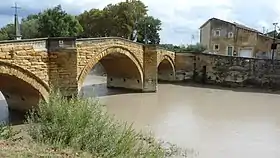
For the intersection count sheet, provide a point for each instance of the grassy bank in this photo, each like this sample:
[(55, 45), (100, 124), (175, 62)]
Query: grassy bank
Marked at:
[(84, 126)]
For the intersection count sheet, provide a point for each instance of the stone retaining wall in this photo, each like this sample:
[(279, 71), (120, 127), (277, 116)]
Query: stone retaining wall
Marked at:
[(234, 71)]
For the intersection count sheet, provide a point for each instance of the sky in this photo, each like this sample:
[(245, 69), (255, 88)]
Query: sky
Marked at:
[(181, 19)]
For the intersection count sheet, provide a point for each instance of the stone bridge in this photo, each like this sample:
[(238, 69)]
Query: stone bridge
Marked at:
[(29, 68)]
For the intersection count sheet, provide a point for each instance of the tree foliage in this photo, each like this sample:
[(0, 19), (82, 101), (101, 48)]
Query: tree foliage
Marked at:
[(149, 26), (7, 32), (196, 48), (127, 19), (119, 20), (30, 27), (94, 23), (57, 23), (50, 23)]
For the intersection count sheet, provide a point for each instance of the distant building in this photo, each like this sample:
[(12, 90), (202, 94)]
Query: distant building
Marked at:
[(233, 39)]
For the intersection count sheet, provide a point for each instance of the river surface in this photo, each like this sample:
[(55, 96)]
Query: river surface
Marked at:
[(216, 123)]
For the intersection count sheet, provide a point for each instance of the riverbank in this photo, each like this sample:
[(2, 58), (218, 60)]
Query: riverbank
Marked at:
[(16, 142), (23, 149), (83, 127)]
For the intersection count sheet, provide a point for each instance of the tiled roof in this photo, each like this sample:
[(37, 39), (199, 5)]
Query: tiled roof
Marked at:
[(233, 23), (245, 27)]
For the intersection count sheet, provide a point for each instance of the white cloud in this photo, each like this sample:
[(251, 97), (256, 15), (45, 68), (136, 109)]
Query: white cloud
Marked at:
[(180, 18)]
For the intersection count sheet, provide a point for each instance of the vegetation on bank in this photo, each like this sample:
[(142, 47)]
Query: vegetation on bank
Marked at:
[(84, 126), (193, 48)]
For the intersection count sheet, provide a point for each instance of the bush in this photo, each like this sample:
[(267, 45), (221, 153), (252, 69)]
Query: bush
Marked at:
[(6, 131), (84, 124)]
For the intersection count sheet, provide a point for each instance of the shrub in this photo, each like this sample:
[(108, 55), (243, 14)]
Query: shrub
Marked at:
[(6, 131), (84, 124)]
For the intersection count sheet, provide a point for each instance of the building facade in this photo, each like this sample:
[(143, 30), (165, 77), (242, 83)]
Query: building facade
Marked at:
[(233, 39)]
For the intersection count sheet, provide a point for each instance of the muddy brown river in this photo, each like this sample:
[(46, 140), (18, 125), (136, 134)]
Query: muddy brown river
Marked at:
[(216, 123)]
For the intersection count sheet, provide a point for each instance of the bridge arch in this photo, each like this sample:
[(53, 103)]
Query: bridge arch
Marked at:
[(166, 68), (112, 59), (21, 88)]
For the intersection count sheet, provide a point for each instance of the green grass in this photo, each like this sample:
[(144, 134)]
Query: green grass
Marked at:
[(6, 132), (84, 125), (30, 149)]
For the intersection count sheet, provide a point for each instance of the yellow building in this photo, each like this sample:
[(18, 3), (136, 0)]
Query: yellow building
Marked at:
[(233, 39)]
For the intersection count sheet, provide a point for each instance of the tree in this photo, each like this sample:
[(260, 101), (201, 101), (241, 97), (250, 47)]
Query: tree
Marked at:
[(93, 23), (120, 20), (149, 26), (7, 32), (124, 17), (114, 20), (31, 17), (57, 23), (197, 48), (30, 29)]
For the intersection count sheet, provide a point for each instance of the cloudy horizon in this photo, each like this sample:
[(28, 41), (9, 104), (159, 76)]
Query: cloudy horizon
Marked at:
[(181, 19)]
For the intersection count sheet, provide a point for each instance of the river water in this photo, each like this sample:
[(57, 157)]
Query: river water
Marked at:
[(216, 123)]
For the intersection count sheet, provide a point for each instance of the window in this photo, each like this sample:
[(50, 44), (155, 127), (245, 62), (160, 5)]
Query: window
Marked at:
[(230, 35), (217, 33), (216, 47), (230, 51)]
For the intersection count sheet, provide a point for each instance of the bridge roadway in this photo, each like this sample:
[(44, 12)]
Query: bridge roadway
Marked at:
[(29, 68)]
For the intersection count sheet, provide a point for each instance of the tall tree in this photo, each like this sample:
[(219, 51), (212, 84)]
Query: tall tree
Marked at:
[(93, 23), (114, 20), (150, 27), (57, 23), (139, 13)]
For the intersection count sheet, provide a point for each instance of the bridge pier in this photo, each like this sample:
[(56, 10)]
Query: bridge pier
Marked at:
[(150, 68), (63, 65)]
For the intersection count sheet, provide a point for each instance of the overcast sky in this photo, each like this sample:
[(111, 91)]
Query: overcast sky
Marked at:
[(181, 18)]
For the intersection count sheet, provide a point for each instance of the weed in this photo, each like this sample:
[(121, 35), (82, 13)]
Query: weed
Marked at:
[(84, 124)]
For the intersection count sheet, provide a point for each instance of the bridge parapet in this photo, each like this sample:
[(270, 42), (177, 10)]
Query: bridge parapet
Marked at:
[(36, 44), (99, 39), (42, 44), (84, 42)]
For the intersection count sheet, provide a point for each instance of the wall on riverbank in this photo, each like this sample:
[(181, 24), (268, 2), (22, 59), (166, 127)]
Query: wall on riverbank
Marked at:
[(235, 71), (184, 65)]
